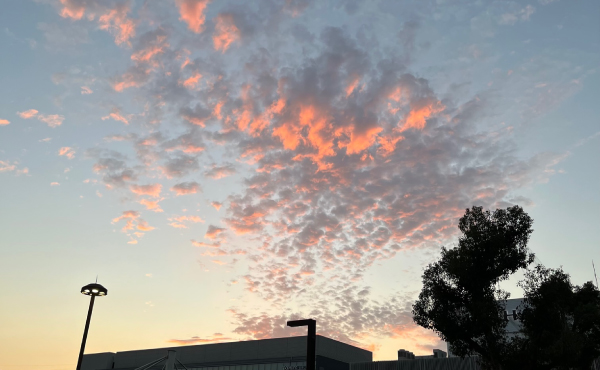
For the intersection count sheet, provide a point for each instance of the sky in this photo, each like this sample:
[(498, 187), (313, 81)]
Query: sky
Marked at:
[(225, 166)]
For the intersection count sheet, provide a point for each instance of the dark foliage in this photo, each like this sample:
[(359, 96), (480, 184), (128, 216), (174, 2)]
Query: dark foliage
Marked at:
[(560, 323), (460, 300)]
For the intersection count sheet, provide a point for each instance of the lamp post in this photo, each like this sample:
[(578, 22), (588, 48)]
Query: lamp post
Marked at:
[(311, 340), (93, 290)]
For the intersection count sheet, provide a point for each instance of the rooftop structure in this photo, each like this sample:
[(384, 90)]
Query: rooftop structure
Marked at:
[(266, 354)]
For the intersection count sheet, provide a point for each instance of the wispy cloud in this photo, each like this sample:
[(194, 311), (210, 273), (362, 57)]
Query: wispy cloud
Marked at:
[(52, 120), (180, 222), (117, 116), (216, 338), (8, 166), (67, 152)]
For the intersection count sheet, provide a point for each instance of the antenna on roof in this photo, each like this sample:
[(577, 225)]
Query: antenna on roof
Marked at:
[(595, 274), (97, 275)]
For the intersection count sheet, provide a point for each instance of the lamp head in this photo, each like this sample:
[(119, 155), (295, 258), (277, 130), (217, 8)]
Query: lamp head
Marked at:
[(94, 289), (296, 323)]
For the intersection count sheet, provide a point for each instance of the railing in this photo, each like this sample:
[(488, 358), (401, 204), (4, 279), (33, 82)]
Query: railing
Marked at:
[(452, 363)]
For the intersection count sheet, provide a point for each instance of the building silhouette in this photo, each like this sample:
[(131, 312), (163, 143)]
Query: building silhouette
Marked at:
[(289, 354), (266, 354)]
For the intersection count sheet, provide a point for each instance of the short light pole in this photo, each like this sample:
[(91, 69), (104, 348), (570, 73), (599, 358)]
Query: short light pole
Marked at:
[(92, 290), (311, 340)]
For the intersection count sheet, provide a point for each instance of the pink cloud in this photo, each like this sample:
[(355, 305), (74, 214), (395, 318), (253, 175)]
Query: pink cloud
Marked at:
[(225, 33), (195, 120), (192, 81), (4, 122), (352, 84), (113, 20), (118, 24), (217, 205), (192, 13), (54, 184), (147, 54), (7, 166), (179, 221), (189, 218), (218, 172), (143, 225), (126, 215), (152, 189), (73, 9), (86, 90), (28, 113), (132, 221), (53, 120), (128, 80), (67, 152), (203, 244), (214, 232), (186, 188), (420, 113), (116, 115), (151, 205), (151, 48)]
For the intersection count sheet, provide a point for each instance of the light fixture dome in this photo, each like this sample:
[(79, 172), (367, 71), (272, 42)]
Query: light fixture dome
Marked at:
[(94, 289)]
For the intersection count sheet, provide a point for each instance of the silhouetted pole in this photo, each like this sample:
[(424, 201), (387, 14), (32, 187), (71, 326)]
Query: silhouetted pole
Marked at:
[(170, 363), (92, 290), (85, 332), (311, 340)]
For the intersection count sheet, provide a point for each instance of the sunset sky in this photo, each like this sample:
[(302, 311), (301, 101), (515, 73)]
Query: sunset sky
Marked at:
[(225, 166)]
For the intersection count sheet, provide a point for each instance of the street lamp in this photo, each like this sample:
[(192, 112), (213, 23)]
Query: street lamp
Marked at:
[(311, 340), (93, 290)]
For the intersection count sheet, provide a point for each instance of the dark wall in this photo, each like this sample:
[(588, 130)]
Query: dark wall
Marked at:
[(325, 363)]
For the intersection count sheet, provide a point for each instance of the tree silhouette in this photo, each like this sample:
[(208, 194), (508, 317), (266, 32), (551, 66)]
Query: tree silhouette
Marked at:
[(560, 323), (460, 299)]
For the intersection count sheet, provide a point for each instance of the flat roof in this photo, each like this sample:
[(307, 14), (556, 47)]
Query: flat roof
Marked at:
[(220, 354)]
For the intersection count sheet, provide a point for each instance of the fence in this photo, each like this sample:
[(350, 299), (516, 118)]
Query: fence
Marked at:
[(453, 363)]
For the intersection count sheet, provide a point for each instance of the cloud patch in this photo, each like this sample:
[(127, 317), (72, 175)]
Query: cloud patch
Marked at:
[(52, 120), (67, 152), (152, 190), (218, 172), (192, 13), (186, 188)]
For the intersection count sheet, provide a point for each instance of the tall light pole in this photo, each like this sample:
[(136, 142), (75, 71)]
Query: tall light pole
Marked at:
[(311, 340), (93, 290)]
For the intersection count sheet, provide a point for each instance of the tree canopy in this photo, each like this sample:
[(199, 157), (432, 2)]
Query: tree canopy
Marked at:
[(560, 323), (460, 300)]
